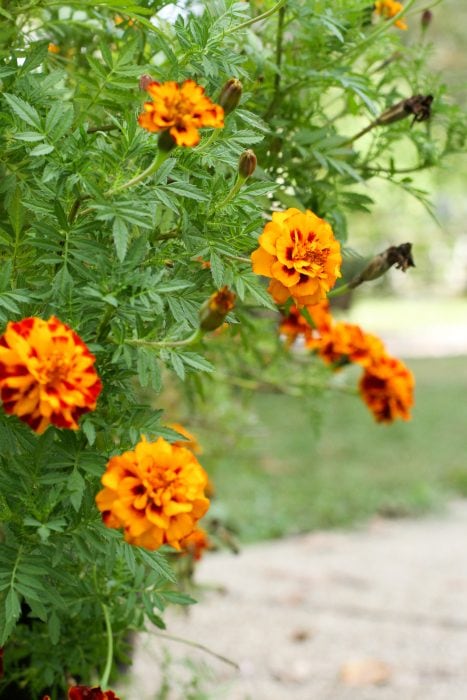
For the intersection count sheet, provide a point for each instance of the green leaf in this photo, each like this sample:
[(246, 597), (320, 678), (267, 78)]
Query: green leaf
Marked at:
[(42, 150), (120, 235), (29, 136), (26, 112), (217, 270)]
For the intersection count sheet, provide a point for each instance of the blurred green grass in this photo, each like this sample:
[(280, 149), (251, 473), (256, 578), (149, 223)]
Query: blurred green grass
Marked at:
[(286, 479)]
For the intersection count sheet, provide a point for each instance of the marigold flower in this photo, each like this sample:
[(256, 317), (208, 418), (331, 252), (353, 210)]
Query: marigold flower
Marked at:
[(155, 492), (299, 252), (389, 9), (181, 110), (215, 309), (295, 323), (191, 443), (343, 343), (46, 374), (387, 387), (83, 692), (53, 48), (196, 543)]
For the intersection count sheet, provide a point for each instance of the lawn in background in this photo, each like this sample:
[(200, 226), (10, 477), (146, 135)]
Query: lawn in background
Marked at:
[(289, 478)]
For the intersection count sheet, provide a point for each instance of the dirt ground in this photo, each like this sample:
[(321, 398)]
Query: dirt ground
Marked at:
[(378, 613)]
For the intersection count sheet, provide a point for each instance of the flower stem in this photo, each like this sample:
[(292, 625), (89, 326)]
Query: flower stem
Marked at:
[(155, 165), (193, 338), (253, 20), (338, 291), (110, 649), (235, 189)]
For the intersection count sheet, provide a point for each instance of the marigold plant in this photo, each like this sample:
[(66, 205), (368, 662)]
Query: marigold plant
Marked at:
[(143, 247)]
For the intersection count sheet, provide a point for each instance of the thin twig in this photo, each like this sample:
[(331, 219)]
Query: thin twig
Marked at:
[(197, 645)]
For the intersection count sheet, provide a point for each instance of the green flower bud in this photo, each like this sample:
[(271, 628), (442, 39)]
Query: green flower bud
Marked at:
[(230, 95), (247, 164)]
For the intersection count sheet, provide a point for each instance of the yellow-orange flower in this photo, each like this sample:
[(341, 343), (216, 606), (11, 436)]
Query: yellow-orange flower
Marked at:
[(343, 343), (53, 48), (47, 374), (181, 110), (196, 543), (155, 492), (387, 387), (295, 324), (191, 443), (299, 252), (389, 9)]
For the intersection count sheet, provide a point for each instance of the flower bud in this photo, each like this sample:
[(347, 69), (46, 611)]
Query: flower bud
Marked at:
[(230, 95), (214, 310), (400, 256), (426, 19), (247, 164), (144, 81)]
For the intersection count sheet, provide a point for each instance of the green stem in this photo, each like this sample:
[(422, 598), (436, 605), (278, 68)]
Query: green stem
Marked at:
[(196, 645), (104, 681), (253, 20), (207, 142), (235, 189), (193, 338), (155, 165), (279, 50), (338, 291)]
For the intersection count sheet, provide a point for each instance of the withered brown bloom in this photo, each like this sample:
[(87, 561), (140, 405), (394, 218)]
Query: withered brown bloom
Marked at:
[(399, 256)]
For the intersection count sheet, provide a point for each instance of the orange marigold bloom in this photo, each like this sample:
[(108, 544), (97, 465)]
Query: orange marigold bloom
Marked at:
[(299, 252), (387, 387), (343, 343), (181, 110), (155, 492), (191, 443), (47, 374), (389, 9), (196, 543), (53, 48), (83, 692), (295, 324)]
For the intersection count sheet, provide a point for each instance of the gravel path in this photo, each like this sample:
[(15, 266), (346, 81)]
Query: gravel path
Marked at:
[(378, 613)]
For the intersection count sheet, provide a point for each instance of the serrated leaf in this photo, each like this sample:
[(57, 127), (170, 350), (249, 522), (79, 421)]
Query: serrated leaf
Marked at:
[(42, 150), (120, 235), (217, 270), (29, 136), (26, 112)]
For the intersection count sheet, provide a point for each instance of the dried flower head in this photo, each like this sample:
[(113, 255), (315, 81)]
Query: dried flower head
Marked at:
[(400, 256), (47, 374), (180, 110), (299, 252), (387, 387), (155, 492), (389, 9)]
